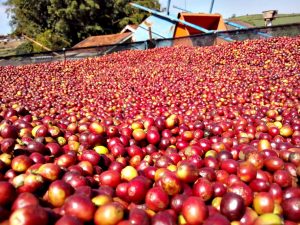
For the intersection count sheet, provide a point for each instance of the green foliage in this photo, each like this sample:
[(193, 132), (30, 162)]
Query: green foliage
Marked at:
[(24, 48), (126, 14), (28, 16), (75, 19), (70, 21), (50, 40)]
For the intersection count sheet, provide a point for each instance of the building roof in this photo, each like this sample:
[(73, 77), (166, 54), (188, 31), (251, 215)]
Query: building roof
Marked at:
[(161, 28), (129, 28), (109, 39)]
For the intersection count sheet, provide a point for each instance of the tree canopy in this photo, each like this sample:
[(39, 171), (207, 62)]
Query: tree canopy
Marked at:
[(62, 23)]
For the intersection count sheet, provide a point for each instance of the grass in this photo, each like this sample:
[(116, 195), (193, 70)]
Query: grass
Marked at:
[(9, 48), (258, 21), (7, 52)]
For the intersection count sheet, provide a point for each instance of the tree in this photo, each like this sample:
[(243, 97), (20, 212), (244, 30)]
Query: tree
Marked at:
[(24, 48), (70, 21), (126, 14), (51, 40), (28, 16), (79, 19), (75, 19)]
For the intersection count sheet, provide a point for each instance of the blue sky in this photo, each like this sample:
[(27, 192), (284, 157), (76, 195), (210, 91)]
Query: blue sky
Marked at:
[(239, 7), (4, 20), (225, 7)]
